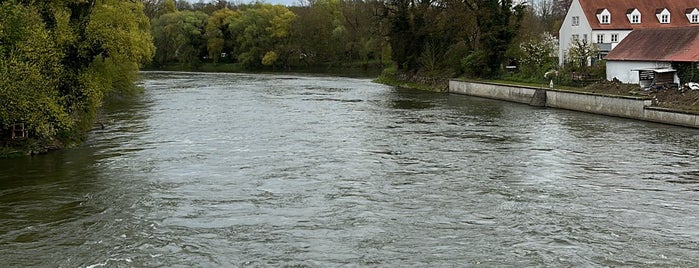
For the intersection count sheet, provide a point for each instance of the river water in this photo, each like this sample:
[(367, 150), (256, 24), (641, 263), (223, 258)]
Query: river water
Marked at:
[(238, 170)]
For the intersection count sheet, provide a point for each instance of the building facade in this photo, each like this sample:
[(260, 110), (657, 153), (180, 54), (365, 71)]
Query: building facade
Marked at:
[(607, 22), (647, 56)]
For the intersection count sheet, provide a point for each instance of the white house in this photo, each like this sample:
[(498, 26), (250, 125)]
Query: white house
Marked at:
[(608, 22), (646, 56)]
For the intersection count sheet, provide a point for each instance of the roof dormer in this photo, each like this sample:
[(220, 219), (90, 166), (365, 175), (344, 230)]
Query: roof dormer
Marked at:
[(692, 15), (603, 16), (633, 15), (663, 15)]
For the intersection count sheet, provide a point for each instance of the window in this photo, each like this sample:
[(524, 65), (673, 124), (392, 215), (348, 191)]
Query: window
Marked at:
[(576, 21), (663, 15), (615, 38), (600, 38), (636, 19), (692, 15), (633, 15), (584, 37), (575, 37), (603, 16)]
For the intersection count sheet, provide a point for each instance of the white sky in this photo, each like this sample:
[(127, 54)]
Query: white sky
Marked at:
[(282, 2), (296, 2)]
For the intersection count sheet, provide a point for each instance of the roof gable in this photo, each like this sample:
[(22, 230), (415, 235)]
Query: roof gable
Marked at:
[(659, 44), (619, 9)]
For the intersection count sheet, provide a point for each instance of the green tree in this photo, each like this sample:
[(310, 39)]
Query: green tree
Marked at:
[(29, 73), (362, 31), (260, 29), (218, 36), (59, 58), (311, 35), (179, 37), (498, 22), (156, 8), (405, 31)]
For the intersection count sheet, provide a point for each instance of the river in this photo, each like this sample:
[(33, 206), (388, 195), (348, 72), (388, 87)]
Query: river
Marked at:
[(242, 170)]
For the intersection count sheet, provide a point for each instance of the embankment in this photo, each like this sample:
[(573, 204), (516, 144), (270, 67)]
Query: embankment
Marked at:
[(619, 106)]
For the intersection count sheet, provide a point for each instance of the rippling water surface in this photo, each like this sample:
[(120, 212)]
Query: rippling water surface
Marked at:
[(241, 170)]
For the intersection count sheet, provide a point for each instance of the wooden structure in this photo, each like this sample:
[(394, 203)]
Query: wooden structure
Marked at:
[(18, 131)]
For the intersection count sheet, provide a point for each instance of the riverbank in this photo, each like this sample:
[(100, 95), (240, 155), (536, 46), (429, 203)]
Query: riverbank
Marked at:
[(633, 107), (33, 145), (676, 107), (392, 77), (26, 147)]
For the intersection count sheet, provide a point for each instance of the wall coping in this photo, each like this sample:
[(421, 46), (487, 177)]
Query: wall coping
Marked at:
[(644, 108), (556, 90), (663, 109)]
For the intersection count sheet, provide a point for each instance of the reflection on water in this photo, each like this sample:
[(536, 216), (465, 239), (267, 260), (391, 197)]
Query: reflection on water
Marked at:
[(269, 170)]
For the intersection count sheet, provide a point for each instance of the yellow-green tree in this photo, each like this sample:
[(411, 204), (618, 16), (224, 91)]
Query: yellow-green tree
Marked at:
[(180, 36), (261, 29), (29, 73), (59, 58), (218, 37), (157, 8)]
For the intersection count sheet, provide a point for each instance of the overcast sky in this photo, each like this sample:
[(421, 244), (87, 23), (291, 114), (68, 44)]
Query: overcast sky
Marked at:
[(296, 2), (283, 2)]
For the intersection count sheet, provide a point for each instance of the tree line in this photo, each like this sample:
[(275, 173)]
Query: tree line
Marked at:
[(263, 35), (461, 37), (60, 58)]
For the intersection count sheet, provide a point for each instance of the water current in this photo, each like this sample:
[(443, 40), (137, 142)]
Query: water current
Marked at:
[(243, 170)]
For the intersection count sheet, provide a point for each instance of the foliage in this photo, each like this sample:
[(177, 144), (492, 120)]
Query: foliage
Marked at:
[(218, 35), (179, 36), (270, 58), (687, 72), (260, 29), (581, 53), (538, 55), (59, 58), (474, 64), (29, 73), (156, 8), (473, 37), (498, 23), (453, 56)]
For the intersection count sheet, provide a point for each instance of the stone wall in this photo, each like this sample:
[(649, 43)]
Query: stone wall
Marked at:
[(620, 106)]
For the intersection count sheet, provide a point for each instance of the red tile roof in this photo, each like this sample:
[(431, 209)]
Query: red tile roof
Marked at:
[(659, 44), (648, 8)]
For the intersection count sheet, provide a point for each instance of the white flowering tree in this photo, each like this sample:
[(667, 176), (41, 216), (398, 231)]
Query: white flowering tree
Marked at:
[(581, 53), (538, 55)]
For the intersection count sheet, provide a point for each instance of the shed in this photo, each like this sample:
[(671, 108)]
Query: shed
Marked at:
[(653, 50), (656, 77)]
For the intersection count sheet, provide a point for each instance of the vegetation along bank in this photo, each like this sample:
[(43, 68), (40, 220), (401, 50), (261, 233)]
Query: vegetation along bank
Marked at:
[(58, 61), (62, 59)]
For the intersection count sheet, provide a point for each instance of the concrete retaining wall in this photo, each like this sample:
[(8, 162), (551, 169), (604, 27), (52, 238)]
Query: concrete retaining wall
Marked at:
[(493, 91), (597, 104), (627, 107), (661, 115)]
